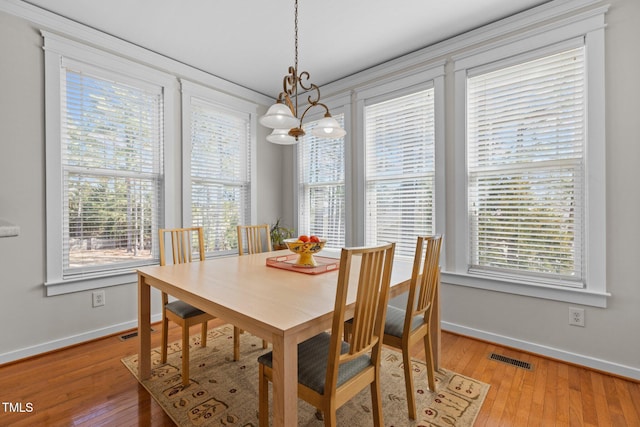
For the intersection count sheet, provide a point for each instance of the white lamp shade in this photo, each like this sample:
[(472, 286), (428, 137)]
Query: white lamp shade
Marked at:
[(328, 127), (279, 116), (281, 136)]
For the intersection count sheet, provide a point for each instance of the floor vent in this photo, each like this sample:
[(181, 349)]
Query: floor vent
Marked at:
[(508, 360), (131, 335)]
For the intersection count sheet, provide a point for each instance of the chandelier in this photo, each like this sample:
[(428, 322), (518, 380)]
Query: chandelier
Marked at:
[(282, 116)]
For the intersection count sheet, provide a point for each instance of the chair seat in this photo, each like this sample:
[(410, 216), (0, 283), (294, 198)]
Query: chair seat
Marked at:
[(183, 310), (394, 322), (312, 362)]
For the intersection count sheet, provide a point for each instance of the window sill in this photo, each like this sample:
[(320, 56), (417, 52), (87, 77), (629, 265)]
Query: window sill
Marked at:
[(556, 293), (86, 283)]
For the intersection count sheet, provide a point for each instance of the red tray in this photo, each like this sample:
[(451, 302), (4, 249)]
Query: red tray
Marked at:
[(288, 262)]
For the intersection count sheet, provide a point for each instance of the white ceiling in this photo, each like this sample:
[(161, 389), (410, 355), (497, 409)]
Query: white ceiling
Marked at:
[(251, 42)]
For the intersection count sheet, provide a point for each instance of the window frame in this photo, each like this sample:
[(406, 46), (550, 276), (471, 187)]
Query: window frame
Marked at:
[(337, 105), (405, 242), (229, 103), (432, 76), (591, 30), (58, 49)]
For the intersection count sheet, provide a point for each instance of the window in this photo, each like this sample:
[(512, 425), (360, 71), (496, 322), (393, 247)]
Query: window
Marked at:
[(530, 211), (322, 186), (218, 158), (400, 170), (112, 172), (105, 172), (525, 157)]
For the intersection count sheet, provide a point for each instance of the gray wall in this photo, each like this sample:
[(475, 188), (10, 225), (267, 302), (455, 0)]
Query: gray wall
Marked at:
[(33, 322)]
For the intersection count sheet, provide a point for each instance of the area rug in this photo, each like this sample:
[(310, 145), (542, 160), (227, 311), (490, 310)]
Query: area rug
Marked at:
[(225, 393)]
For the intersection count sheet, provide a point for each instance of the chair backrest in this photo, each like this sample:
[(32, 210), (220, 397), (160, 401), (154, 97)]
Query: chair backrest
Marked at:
[(372, 294), (425, 278), (256, 237), (182, 244)]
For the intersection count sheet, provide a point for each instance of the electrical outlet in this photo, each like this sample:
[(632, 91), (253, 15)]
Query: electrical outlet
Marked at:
[(98, 298), (576, 316)]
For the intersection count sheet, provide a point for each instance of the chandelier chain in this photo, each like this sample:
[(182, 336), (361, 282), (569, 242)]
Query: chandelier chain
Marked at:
[(296, 35)]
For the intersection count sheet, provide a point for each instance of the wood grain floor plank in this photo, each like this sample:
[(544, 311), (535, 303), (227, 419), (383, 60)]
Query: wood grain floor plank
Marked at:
[(562, 395), (631, 415), (600, 397), (502, 378), (634, 392), (536, 411), (512, 394), (613, 402), (575, 412), (588, 397), (522, 396), (550, 395)]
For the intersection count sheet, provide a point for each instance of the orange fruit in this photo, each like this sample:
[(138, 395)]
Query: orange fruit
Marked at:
[(314, 239), (303, 238)]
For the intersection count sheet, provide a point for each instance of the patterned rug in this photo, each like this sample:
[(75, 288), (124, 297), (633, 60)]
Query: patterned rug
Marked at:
[(225, 393)]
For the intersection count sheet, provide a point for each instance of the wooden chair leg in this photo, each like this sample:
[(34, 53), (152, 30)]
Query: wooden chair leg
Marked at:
[(376, 402), (408, 381), (265, 344), (236, 343), (185, 355), (330, 419), (428, 351), (203, 334), (263, 398), (163, 341)]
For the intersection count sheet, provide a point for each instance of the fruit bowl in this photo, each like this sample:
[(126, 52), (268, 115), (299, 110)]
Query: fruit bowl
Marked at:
[(305, 250)]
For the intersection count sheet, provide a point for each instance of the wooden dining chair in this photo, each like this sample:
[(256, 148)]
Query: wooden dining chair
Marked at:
[(404, 327), (185, 315), (252, 239), (330, 370)]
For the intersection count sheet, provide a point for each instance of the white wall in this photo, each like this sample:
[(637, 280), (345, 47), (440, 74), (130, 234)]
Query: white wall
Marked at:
[(30, 322)]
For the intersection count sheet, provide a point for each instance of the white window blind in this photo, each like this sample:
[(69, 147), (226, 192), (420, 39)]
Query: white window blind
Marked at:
[(400, 170), (526, 135), (220, 173), (112, 171), (322, 186)]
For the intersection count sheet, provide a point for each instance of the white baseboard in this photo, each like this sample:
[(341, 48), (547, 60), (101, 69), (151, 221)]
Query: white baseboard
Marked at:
[(22, 353), (554, 353)]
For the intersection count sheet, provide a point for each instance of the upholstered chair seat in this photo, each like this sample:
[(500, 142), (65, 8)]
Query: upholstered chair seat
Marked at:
[(313, 360)]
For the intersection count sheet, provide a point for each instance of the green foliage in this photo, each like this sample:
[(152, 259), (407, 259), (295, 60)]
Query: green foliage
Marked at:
[(279, 233)]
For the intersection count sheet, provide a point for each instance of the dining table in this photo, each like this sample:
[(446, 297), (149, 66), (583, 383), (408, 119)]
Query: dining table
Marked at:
[(281, 306)]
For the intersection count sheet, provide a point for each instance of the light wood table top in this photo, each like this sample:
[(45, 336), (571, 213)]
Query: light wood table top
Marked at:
[(283, 307)]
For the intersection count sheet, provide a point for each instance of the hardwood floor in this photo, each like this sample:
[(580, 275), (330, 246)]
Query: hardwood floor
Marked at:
[(87, 385)]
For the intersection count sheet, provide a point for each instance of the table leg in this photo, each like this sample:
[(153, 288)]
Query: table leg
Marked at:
[(144, 328), (435, 331), (285, 381)]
